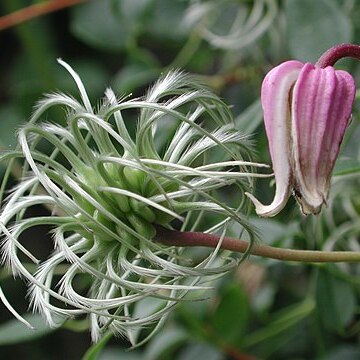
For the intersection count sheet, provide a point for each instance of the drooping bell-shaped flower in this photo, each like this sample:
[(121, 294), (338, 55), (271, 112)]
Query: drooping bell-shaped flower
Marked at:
[(306, 111)]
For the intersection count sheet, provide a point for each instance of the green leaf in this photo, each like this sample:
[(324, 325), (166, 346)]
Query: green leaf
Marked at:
[(264, 297), (232, 314), (14, 332), (113, 353), (143, 308), (346, 167), (345, 352), (250, 118), (166, 20), (10, 120), (282, 322), (315, 26), (335, 299), (275, 232), (169, 339), (99, 24), (133, 77), (134, 9), (200, 351)]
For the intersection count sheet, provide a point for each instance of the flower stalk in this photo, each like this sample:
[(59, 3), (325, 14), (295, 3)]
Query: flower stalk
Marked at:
[(177, 238), (337, 52)]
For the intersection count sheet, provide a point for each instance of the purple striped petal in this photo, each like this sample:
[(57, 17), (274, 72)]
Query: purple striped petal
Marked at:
[(321, 109), (276, 100)]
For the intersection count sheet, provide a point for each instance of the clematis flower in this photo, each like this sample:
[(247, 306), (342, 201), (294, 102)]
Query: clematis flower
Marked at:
[(306, 111)]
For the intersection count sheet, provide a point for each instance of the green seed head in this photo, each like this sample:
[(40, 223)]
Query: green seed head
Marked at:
[(107, 192)]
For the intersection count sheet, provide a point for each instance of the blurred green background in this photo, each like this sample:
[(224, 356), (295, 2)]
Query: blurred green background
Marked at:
[(266, 309)]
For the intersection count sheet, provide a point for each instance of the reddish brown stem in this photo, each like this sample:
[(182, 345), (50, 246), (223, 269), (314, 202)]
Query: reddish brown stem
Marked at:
[(337, 52), (177, 238), (34, 11), (237, 355)]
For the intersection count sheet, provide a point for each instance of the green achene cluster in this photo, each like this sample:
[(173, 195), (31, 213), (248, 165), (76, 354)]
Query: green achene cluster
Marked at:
[(108, 192)]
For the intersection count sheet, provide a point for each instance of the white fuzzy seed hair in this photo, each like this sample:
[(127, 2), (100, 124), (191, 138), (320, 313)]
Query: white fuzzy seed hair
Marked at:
[(249, 23), (106, 191)]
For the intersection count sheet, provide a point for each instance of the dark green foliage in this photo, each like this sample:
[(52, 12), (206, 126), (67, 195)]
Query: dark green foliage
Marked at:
[(268, 311)]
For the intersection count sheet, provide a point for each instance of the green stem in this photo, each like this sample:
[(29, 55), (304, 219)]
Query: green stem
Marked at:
[(177, 238), (93, 352), (35, 50), (187, 52)]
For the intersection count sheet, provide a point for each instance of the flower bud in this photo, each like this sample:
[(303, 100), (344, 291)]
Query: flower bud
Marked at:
[(306, 112)]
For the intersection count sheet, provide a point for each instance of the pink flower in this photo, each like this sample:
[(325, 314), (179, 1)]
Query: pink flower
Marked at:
[(306, 112)]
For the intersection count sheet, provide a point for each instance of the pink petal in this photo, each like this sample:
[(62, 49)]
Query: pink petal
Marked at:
[(275, 97), (321, 109)]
